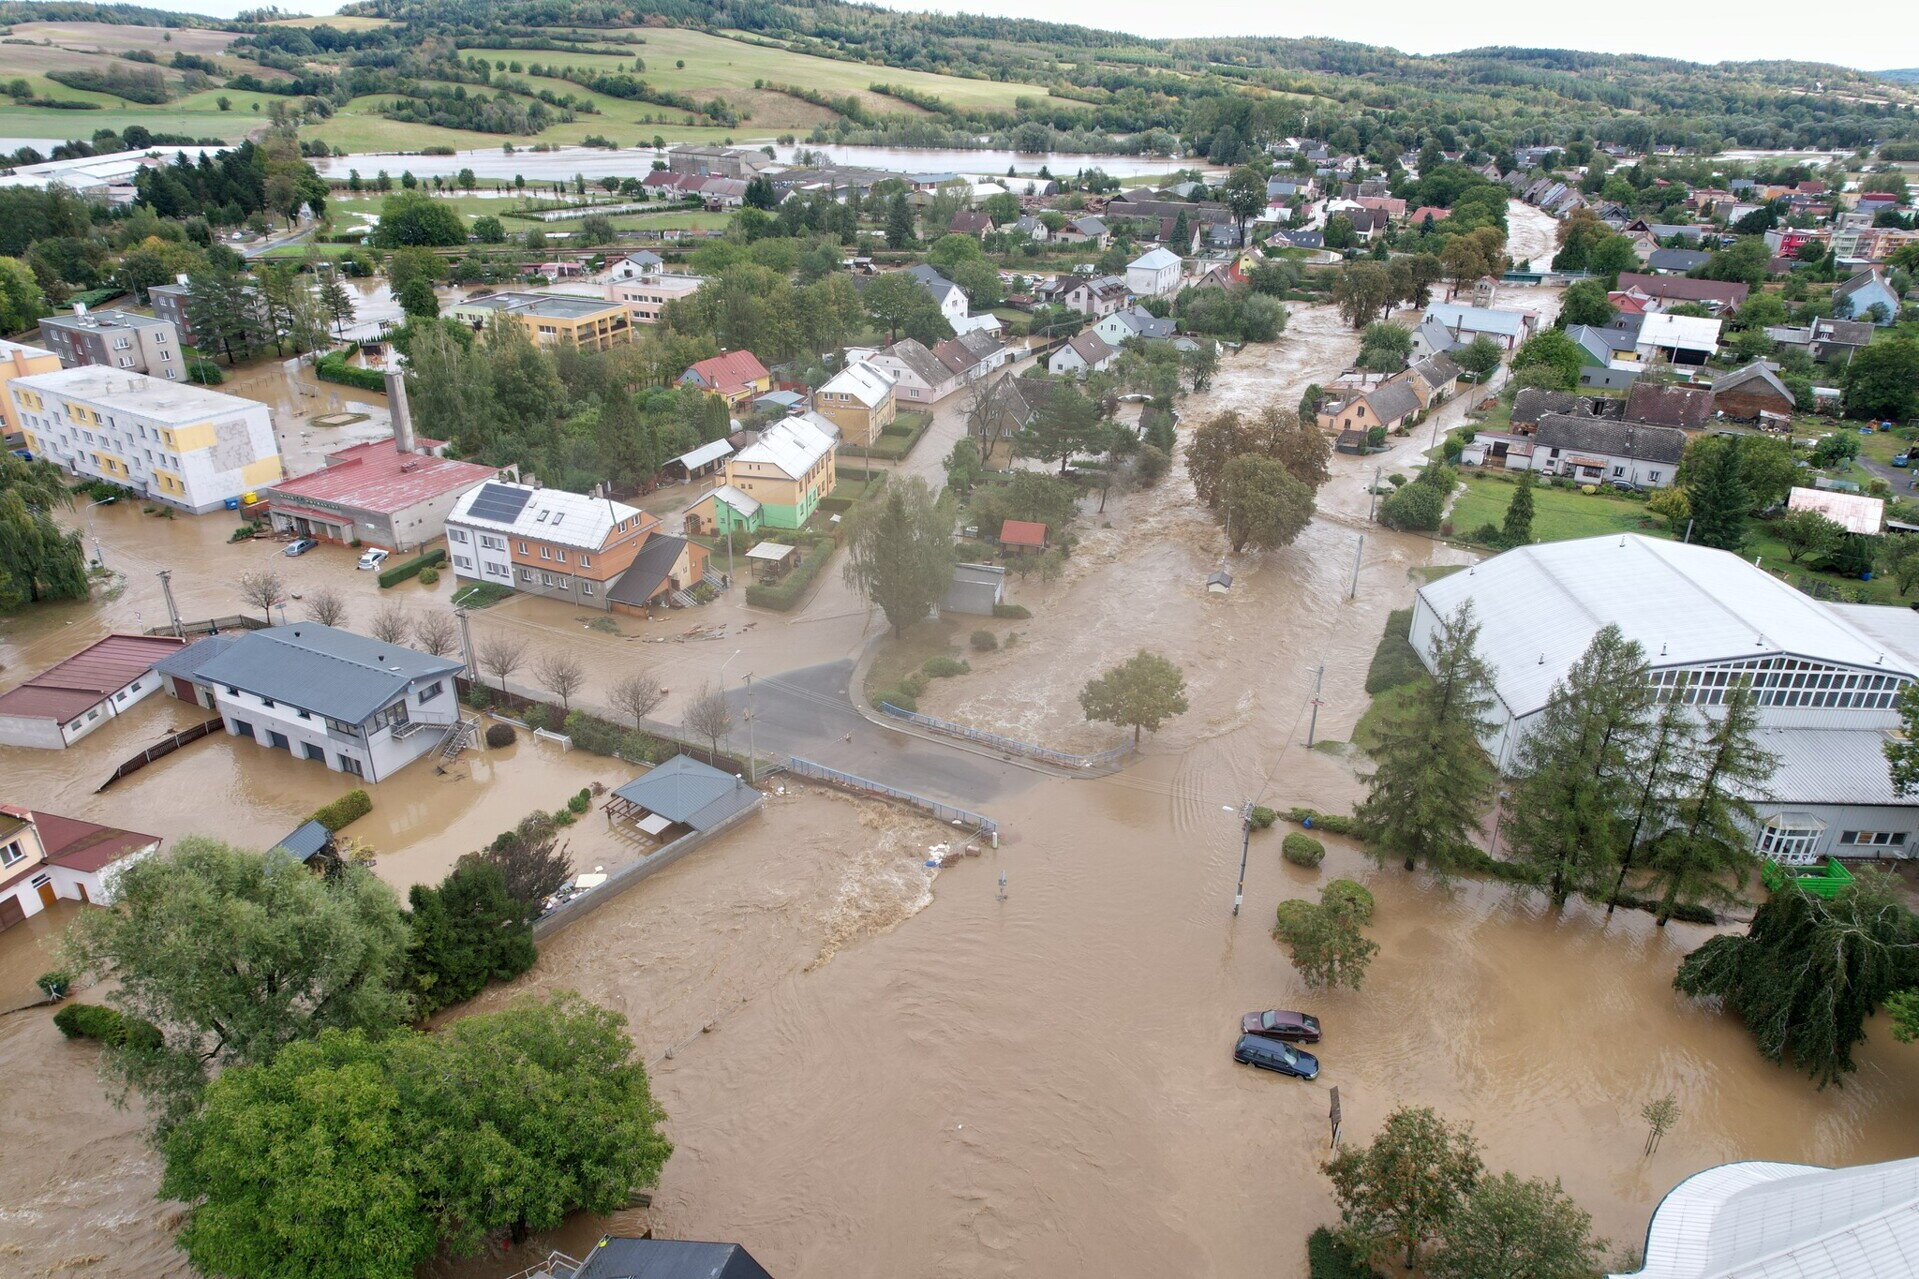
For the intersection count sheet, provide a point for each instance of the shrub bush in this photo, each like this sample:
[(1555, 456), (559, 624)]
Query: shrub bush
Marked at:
[(333, 367), (1328, 1258), (108, 1025), (498, 735), (1349, 895), (349, 808), (400, 572), (1332, 823), (944, 666), (1395, 661), (429, 576), (604, 737), (582, 801), (903, 698), (1019, 612), (1293, 918), (1478, 861), (479, 697), (984, 642), (537, 715), (56, 984), (1303, 850), (1263, 817)]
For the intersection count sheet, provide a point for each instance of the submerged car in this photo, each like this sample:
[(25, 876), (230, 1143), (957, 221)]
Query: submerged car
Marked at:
[(299, 546), (1270, 1054), (1277, 1023)]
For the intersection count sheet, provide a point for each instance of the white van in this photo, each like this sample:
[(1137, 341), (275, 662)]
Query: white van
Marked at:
[(374, 559)]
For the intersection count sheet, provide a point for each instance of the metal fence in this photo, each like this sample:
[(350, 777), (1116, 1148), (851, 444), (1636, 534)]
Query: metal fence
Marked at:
[(866, 786), (163, 748), (627, 876), (1009, 745)]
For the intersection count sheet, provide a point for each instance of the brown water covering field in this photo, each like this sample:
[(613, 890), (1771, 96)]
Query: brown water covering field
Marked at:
[(876, 1071)]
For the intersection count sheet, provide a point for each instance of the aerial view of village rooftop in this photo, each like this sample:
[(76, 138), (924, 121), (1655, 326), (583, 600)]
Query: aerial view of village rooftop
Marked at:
[(716, 640)]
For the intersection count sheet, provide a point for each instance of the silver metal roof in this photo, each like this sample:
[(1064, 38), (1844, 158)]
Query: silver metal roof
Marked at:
[(1540, 606), (322, 669)]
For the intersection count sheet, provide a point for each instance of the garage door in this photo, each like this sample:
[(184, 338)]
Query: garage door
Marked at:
[(11, 912)]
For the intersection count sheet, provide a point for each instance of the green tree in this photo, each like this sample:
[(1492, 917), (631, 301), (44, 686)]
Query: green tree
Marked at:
[(1713, 815), (21, 301), (417, 298), (892, 299), (1517, 528), (1809, 971), (1882, 381), (1432, 777), (963, 468), (1066, 425), (1200, 364), (899, 552), (1244, 194), (336, 300), (899, 222), (39, 560), (1406, 1186), (488, 229), (235, 955), (597, 228), (1585, 303), (1552, 350), (1144, 691), (1716, 493), (1002, 208), (1513, 1229), (1276, 433), (416, 218), (1575, 768), (463, 934), (1261, 503), (224, 311), (353, 1157), (1328, 947), (1806, 533), (1361, 291), (1478, 357)]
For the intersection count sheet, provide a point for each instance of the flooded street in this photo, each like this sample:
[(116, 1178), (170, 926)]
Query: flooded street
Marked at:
[(871, 1068)]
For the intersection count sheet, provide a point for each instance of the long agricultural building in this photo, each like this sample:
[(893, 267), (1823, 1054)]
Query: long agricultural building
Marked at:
[(1826, 677)]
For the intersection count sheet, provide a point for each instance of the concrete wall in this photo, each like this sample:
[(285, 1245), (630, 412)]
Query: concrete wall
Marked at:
[(626, 877)]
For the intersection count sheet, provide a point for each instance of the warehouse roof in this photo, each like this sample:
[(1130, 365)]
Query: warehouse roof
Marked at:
[(377, 477), (1539, 607)]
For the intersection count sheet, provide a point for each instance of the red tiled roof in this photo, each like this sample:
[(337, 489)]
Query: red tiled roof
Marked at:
[(1432, 211), (378, 477), (1022, 533), (64, 690), (86, 846), (732, 372)]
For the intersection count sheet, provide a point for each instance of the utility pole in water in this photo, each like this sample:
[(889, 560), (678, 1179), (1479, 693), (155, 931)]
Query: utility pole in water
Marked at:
[(1245, 844), (752, 750), (1372, 499), (173, 612), (1312, 725), (1358, 552), (466, 641)]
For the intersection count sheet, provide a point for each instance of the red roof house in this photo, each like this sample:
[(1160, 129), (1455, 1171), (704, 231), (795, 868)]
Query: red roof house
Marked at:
[(376, 494), (1023, 535), (44, 857), (65, 702), (736, 377)]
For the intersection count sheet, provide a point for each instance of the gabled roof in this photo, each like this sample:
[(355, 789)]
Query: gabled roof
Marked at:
[(693, 794), (734, 498), (1865, 279), (865, 383), (550, 515), (86, 846), (103, 667), (734, 371), (919, 361), (323, 669), (1681, 332), (1679, 288), (643, 578), (1680, 260), (1143, 323), (1154, 260), (1089, 226), (1754, 372), (1392, 399), (1611, 438), (1022, 533), (1435, 370), (1601, 343), (1477, 319), (794, 445), (935, 283), (186, 663), (1689, 407), (1090, 347)]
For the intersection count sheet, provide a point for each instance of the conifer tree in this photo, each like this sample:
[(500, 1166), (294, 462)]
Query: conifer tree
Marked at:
[(1714, 814), (1518, 527), (1720, 500), (1660, 759)]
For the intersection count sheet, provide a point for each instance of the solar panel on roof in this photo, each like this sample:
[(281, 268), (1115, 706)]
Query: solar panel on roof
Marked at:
[(500, 502)]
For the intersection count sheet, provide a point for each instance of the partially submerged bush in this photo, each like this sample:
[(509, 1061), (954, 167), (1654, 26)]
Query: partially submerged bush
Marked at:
[(1302, 850), (944, 665), (984, 641), (108, 1025), (498, 735), (347, 809)]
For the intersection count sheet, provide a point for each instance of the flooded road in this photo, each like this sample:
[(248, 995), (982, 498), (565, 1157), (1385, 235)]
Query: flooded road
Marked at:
[(904, 1072)]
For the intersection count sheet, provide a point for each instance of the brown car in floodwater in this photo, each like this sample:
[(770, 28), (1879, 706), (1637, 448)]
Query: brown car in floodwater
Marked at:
[(1277, 1023)]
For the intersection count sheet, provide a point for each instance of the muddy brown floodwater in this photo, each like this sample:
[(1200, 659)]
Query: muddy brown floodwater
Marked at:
[(876, 1070)]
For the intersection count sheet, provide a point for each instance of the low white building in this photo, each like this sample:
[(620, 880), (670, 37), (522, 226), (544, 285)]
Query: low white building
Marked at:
[(1677, 339), (65, 702), (171, 442), (356, 704), (45, 857), (1826, 676), (1154, 274), (1086, 353)]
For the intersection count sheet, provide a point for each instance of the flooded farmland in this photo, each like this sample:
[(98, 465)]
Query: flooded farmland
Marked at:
[(870, 1068)]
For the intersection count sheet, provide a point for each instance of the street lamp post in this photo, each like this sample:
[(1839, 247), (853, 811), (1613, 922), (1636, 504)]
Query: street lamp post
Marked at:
[(99, 556)]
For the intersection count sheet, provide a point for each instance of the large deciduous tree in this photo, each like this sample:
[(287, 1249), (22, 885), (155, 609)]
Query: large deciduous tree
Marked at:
[(1144, 691), (1406, 1186), (1433, 777), (899, 552), (1513, 1229), (414, 218), (1261, 503), (39, 560), (354, 1157), (235, 955)]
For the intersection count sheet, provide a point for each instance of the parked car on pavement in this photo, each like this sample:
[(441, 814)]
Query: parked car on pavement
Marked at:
[(299, 546), (1277, 1023), (1270, 1054)]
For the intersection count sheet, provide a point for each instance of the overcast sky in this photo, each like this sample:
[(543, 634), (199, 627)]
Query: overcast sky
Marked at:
[(1876, 36)]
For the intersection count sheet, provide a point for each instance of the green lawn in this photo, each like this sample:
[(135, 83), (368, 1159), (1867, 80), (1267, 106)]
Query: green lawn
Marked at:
[(39, 122), (1559, 515)]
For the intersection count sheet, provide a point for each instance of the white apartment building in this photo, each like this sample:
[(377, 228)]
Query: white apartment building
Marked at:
[(171, 442), (646, 296)]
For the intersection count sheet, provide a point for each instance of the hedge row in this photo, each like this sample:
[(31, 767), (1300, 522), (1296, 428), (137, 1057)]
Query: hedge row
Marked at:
[(787, 592), (349, 808), (411, 568), (108, 1025), (1333, 823), (333, 367), (604, 737)]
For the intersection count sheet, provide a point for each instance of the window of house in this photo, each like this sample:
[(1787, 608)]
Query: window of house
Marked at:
[(456, 535), (301, 715), (432, 690), (546, 552), (586, 561), (268, 701), (1789, 839), (348, 764), (586, 588), (10, 854), (1873, 838), (526, 575)]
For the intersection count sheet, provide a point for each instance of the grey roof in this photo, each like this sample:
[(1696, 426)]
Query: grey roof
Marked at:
[(322, 669), (1534, 403), (642, 579), (976, 589), (1089, 226), (1842, 332), (1757, 370), (1438, 337), (1144, 323), (1862, 280), (306, 840), (1680, 260), (186, 663), (1601, 344), (924, 364), (936, 284), (1435, 370), (1610, 438), (1393, 399), (693, 794), (668, 1259)]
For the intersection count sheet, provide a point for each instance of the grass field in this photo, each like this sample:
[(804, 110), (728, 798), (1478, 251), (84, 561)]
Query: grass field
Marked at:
[(1559, 515), (355, 127)]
